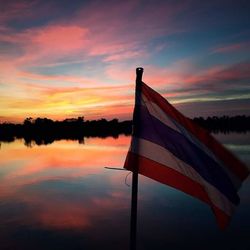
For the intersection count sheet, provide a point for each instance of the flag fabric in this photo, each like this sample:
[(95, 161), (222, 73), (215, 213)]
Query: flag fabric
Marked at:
[(170, 148)]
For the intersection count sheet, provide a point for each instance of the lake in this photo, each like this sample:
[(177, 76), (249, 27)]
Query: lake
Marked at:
[(61, 196)]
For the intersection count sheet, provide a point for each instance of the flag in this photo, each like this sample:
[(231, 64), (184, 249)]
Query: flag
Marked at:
[(170, 148)]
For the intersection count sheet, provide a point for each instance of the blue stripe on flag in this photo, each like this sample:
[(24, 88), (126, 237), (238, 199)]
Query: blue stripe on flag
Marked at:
[(157, 132)]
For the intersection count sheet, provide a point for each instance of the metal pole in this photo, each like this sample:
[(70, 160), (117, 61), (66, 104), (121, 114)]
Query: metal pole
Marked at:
[(133, 219)]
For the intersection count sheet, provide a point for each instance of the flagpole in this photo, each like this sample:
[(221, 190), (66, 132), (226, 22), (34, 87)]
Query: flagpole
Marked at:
[(133, 218)]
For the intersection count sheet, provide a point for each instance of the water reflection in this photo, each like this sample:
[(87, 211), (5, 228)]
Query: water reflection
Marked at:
[(238, 143), (51, 193), (60, 196)]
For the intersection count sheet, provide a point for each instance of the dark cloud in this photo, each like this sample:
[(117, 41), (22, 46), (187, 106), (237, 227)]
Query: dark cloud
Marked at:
[(217, 108)]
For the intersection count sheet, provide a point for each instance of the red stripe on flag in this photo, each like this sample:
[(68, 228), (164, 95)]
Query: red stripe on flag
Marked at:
[(168, 176), (236, 166), (221, 218)]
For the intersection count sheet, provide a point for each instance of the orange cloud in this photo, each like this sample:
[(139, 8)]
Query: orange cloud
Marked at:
[(59, 103)]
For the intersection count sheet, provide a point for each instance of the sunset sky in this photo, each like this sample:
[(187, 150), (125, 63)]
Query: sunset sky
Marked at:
[(67, 58)]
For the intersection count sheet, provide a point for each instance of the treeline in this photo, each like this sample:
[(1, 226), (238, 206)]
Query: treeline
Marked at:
[(225, 124), (45, 131)]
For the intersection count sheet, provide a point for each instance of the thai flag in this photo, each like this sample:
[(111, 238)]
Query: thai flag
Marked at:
[(170, 148)]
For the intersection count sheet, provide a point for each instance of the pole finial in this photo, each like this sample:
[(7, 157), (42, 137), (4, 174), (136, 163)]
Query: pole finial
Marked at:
[(139, 72)]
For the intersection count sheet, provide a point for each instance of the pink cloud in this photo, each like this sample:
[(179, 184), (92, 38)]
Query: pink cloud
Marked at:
[(47, 42), (123, 55), (235, 47), (97, 30), (46, 45), (117, 37), (62, 39), (102, 30), (182, 80), (221, 77), (12, 10)]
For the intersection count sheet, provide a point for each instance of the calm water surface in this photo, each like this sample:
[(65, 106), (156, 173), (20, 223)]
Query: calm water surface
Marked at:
[(60, 196)]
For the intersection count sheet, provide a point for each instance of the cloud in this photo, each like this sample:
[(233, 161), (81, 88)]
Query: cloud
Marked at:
[(99, 29), (214, 107), (46, 43), (231, 48), (60, 102), (99, 44), (233, 76), (62, 39), (183, 76), (15, 10), (122, 30)]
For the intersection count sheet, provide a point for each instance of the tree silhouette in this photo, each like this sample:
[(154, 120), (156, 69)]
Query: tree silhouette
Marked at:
[(44, 131)]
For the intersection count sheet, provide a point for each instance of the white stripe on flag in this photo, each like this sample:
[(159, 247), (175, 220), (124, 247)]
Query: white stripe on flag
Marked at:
[(163, 156), (159, 114)]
